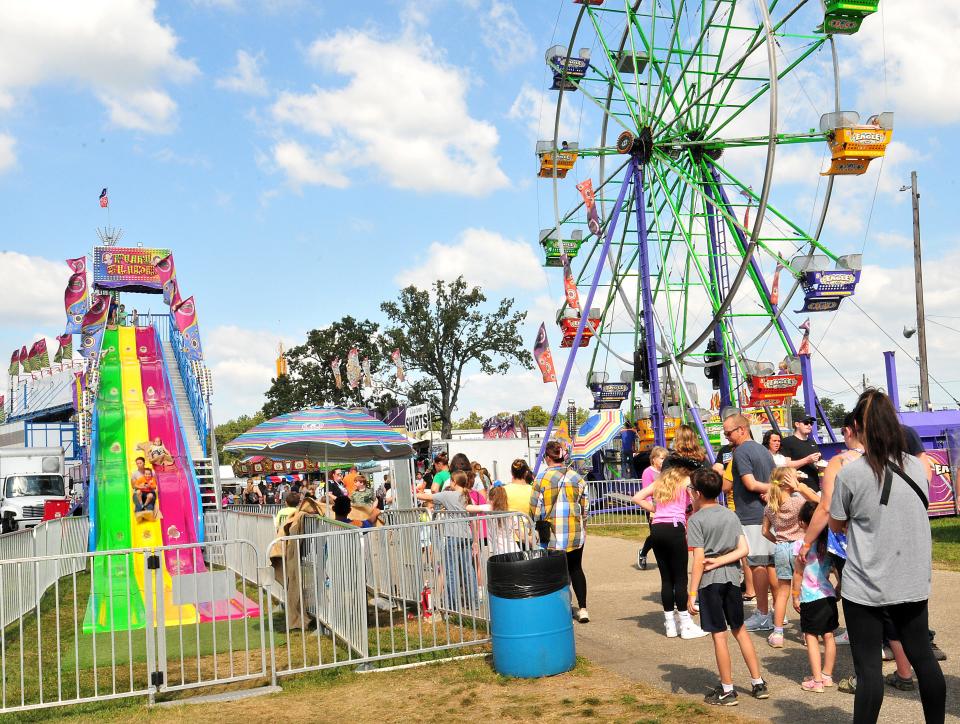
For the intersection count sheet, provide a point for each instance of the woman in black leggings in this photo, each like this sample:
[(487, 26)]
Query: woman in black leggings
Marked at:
[(668, 537), (881, 499)]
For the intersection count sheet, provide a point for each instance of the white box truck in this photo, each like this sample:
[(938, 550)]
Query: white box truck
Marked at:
[(29, 476)]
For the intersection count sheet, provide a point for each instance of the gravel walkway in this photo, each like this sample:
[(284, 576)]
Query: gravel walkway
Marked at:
[(625, 634)]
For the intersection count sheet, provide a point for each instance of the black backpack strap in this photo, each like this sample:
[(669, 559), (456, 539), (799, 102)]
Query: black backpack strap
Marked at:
[(888, 480)]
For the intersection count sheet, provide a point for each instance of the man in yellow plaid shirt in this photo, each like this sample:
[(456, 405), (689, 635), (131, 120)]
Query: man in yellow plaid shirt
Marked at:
[(559, 498)]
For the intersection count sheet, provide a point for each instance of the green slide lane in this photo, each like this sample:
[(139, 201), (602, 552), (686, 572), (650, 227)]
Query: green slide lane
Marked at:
[(116, 602)]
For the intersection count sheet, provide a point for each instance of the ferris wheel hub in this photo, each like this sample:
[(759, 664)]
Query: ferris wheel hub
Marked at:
[(640, 147)]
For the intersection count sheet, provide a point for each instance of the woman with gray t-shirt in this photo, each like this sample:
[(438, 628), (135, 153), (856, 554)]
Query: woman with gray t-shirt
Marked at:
[(881, 500)]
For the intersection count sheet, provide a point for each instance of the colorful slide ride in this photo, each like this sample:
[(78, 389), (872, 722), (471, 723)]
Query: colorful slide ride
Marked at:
[(135, 405)]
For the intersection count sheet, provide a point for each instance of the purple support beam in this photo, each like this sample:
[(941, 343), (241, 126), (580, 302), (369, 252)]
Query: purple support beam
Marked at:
[(697, 421), (809, 396), (715, 262), (584, 313), (650, 335), (755, 266), (890, 366)]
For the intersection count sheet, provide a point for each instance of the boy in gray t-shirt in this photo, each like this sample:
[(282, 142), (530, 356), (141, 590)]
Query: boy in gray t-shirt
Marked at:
[(718, 543)]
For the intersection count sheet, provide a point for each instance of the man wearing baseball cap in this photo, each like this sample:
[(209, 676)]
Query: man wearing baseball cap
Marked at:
[(799, 448)]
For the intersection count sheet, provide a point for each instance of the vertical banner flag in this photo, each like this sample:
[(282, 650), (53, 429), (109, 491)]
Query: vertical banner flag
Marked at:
[(541, 352), (94, 322), (104, 200), (14, 363), (43, 357), (78, 265), (805, 343), (367, 375), (570, 287), (775, 287), (593, 218), (168, 278), (399, 363), (353, 367), (185, 315), (335, 365), (79, 383), (32, 361), (75, 296), (65, 350), (24, 358)]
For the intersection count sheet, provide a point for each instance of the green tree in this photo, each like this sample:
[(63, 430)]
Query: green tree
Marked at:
[(470, 422), (536, 416), (231, 429), (835, 411), (439, 334), (310, 380)]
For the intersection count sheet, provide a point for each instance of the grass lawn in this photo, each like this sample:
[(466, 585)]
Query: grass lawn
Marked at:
[(946, 543), (630, 532), (466, 690)]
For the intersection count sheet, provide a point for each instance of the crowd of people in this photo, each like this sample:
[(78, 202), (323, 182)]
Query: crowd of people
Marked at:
[(768, 526), (794, 535)]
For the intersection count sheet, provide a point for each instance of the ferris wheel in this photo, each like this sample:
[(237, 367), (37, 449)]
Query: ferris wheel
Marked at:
[(683, 263)]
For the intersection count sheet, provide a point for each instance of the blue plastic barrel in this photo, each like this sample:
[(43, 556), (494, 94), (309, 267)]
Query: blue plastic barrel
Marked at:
[(530, 617)]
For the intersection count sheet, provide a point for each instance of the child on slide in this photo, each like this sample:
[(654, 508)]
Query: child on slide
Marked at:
[(145, 495)]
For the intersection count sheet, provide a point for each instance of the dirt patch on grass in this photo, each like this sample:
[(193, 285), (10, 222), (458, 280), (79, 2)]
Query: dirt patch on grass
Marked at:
[(461, 690)]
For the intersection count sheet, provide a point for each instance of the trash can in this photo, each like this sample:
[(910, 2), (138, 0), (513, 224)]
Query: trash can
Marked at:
[(531, 622)]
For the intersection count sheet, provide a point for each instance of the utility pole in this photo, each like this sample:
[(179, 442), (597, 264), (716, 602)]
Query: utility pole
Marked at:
[(918, 279)]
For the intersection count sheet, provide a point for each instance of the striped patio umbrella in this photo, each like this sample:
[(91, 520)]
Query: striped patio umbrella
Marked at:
[(599, 429), (324, 433)]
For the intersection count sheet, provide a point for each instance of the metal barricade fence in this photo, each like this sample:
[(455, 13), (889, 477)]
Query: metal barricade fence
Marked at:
[(371, 574), (256, 528), (61, 536), (265, 509), (611, 502), (117, 624)]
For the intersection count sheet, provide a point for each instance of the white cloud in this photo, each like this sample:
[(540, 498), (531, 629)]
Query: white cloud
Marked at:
[(115, 48), (504, 33), (403, 113), (243, 363), (537, 110), (31, 290), (246, 76), (484, 258), (302, 167), (8, 156), (920, 53), (854, 345), (892, 240)]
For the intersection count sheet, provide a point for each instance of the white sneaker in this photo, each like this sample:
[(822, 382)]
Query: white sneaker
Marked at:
[(583, 616), (759, 622), (670, 625), (841, 639), (691, 631)]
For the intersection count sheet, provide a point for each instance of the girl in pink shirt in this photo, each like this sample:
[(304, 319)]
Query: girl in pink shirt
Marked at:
[(669, 538), (657, 456)]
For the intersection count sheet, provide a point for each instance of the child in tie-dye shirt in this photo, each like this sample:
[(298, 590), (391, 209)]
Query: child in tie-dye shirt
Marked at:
[(815, 598)]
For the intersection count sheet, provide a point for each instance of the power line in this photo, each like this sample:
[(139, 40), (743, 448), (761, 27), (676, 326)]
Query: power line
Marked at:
[(941, 324), (905, 351)]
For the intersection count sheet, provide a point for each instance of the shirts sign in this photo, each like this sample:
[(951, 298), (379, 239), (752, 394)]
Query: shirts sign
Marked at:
[(418, 418)]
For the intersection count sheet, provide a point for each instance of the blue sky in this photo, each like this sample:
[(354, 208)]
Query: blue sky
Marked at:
[(304, 160)]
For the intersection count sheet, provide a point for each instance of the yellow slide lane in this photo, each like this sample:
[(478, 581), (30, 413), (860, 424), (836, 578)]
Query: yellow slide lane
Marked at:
[(144, 534)]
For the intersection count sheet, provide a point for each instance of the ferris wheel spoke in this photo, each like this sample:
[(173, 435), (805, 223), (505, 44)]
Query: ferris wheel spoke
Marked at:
[(615, 72), (761, 36), (694, 52), (815, 45)]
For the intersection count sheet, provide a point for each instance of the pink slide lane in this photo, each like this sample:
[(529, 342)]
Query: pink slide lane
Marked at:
[(178, 496)]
